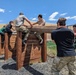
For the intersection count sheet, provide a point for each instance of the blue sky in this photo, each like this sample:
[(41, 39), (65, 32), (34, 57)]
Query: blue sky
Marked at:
[(50, 9)]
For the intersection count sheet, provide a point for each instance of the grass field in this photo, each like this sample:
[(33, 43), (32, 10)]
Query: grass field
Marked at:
[(51, 48)]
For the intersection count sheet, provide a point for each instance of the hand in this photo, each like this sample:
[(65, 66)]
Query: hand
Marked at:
[(75, 34), (25, 25)]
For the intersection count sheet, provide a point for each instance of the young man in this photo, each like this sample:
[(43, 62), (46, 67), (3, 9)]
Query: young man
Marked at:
[(21, 27), (8, 29), (40, 22), (64, 39)]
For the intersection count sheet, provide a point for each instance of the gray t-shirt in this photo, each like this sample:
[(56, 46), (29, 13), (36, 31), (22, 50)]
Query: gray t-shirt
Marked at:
[(20, 20)]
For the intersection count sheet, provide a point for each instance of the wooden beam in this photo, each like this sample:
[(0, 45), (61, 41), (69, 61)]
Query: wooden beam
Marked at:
[(43, 29)]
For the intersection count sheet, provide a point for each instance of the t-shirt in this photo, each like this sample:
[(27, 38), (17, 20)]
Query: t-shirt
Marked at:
[(64, 39), (42, 22), (2, 30), (8, 28), (20, 20)]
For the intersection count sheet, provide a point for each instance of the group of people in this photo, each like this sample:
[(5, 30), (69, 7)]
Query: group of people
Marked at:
[(20, 26), (63, 37)]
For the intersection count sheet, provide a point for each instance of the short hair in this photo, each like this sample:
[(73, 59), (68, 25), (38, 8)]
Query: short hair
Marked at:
[(62, 21), (40, 16), (11, 22), (74, 25), (21, 13)]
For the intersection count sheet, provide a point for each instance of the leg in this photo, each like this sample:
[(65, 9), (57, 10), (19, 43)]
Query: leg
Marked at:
[(39, 37), (72, 66), (25, 33), (9, 36), (24, 37), (58, 64), (2, 40)]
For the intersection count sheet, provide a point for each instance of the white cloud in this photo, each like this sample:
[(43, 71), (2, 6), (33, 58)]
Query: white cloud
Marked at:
[(34, 19), (73, 17), (63, 14), (53, 15), (2, 10), (68, 17)]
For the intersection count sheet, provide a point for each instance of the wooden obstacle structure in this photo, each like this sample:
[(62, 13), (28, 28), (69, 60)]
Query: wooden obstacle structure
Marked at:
[(1, 46), (30, 53), (10, 46)]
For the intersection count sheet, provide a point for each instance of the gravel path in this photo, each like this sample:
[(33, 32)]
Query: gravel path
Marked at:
[(9, 68)]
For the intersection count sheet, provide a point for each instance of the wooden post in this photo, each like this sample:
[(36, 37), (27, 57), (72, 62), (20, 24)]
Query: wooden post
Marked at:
[(44, 48), (19, 49), (0, 45), (6, 46)]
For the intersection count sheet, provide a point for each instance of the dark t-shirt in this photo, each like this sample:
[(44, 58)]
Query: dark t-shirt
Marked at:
[(8, 28), (64, 39)]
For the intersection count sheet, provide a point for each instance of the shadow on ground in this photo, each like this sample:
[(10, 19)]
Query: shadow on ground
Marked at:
[(28, 68), (33, 71)]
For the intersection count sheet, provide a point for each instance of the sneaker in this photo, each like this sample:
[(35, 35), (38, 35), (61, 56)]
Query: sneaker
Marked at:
[(35, 32), (41, 41)]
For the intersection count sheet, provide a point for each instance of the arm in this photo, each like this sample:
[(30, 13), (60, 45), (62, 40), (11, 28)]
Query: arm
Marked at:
[(13, 29), (52, 37), (28, 22), (35, 23)]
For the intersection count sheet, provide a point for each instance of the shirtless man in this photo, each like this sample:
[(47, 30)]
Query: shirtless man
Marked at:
[(40, 22)]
